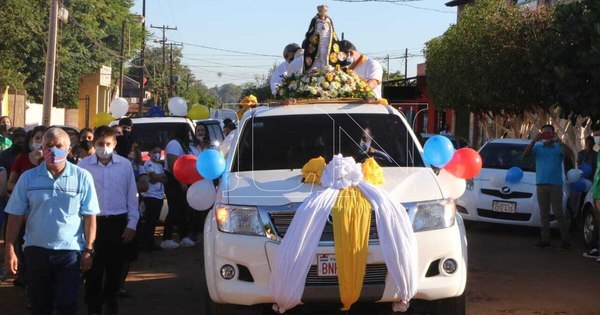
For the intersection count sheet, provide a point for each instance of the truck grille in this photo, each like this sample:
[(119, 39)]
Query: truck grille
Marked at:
[(282, 220), (375, 274)]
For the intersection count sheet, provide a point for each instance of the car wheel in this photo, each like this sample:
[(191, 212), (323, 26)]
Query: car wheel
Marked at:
[(589, 228), (452, 306)]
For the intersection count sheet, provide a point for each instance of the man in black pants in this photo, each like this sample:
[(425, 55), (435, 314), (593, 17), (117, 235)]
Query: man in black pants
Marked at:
[(117, 194)]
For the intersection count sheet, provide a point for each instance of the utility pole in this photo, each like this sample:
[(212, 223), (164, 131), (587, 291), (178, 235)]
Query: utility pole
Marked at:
[(142, 54), (164, 29), (50, 64), (171, 67), (122, 58), (406, 64), (388, 67)]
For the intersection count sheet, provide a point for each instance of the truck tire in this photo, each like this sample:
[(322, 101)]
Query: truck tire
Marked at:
[(452, 306)]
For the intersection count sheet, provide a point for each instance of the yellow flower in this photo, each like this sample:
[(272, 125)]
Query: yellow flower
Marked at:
[(311, 48), (314, 39), (333, 57), (329, 77), (336, 48)]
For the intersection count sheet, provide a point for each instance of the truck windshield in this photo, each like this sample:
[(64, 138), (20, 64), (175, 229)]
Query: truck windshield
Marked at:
[(288, 142)]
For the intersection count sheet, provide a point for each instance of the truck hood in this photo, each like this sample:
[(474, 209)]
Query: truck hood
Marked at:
[(280, 187)]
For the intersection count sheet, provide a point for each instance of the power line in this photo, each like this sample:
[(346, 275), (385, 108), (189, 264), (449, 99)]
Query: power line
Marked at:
[(228, 50)]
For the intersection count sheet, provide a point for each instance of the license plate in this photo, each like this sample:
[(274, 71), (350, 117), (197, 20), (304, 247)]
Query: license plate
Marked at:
[(503, 206), (326, 265)]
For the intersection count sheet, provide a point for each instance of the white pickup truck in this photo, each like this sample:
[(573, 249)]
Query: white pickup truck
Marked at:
[(262, 186)]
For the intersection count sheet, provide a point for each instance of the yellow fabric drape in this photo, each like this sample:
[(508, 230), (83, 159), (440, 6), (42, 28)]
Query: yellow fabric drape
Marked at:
[(372, 171), (351, 224), (313, 170)]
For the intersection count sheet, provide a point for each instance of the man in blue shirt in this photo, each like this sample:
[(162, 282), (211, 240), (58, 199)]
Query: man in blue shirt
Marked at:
[(61, 204), (549, 153)]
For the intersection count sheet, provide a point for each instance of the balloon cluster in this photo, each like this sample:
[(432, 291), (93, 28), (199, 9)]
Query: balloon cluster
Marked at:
[(199, 172), (456, 165), (577, 178)]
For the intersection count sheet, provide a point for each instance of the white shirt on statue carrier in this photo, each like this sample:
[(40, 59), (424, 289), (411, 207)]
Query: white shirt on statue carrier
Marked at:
[(371, 69), (276, 78)]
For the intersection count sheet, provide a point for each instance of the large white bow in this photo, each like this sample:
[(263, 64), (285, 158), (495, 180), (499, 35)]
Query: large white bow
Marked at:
[(298, 248)]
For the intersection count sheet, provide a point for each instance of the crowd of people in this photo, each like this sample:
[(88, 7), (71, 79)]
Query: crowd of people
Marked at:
[(88, 208)]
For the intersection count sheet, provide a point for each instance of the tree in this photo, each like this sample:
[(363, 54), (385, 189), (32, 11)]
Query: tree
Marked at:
[(90, 39), (573, 56), (185, 83), (490, 60), (228, 93)]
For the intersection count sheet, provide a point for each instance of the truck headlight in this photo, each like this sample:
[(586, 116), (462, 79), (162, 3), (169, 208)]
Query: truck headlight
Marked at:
[(434, 215), (238, 220)]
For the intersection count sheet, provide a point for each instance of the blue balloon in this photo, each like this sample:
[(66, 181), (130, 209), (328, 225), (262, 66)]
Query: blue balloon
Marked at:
[(210, 164), (514, 175), (579, 186), (438, 151), (586, 168)]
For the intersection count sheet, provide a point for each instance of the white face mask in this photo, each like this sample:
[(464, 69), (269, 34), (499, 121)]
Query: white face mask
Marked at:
[(365, 145), (35, 146), (104, 152), (200, 138), (597, 140), (349, 60)]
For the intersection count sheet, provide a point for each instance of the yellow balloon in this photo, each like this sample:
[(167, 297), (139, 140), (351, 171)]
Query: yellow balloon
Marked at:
[(198, 112), (102, 119)]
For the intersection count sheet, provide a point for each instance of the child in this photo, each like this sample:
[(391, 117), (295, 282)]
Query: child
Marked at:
[(153, 199)]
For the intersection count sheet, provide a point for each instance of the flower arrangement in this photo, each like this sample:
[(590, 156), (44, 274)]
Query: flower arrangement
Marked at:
[(328, 83)]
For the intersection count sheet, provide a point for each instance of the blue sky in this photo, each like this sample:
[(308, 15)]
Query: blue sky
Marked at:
[(261, 28)]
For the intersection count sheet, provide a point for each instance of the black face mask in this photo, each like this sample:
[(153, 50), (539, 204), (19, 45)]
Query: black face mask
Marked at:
[(4, 127), (86, 145)]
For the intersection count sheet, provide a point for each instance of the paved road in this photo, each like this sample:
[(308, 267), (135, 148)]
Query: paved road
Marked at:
[(506, 276)]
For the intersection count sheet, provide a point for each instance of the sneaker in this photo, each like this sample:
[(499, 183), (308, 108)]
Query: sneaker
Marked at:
[(594, 253), (187, 242), (169, 244), (565, 245), (542, 245)]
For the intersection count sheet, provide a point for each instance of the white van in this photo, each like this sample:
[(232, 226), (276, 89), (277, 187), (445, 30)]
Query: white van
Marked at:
[(262, 187)]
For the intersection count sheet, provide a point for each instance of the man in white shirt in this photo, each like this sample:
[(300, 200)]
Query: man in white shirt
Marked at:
[(368, 69), (116, 224), (276, 76)]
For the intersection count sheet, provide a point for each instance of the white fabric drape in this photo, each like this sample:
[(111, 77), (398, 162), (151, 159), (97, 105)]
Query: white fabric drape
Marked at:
[(397, 240), (298, 248)]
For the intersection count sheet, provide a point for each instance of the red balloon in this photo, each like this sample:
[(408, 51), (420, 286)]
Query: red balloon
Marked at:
[(465, 163), (185, 170)]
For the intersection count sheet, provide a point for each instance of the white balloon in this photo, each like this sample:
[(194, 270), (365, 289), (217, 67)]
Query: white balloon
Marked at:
[(498, 180), (178, 106), (574, 175), (119, 107), (452, 186), (201, 195)]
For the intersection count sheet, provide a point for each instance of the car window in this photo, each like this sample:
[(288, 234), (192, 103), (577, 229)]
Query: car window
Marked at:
[(215, 131), (506, 155), (151, 135), (288, 142)]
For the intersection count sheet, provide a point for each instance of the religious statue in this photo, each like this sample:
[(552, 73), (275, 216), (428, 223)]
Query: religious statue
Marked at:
[(320, 44)]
